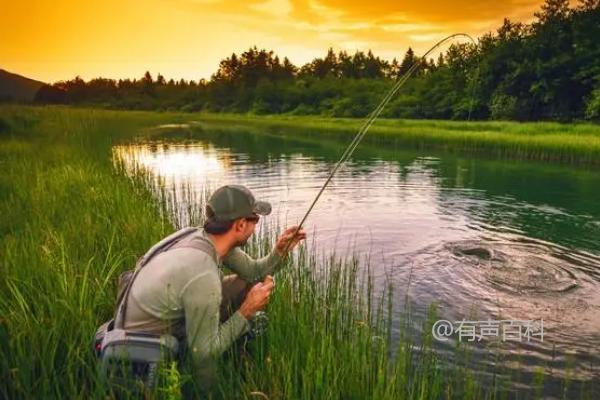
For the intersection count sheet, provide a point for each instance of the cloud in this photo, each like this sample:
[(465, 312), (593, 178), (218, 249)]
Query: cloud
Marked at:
[(419, 11), (387, 25), (188, 38)]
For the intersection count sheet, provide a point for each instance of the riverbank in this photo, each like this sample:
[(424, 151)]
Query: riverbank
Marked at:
[(577, 144), (536, 141), (71, 223)]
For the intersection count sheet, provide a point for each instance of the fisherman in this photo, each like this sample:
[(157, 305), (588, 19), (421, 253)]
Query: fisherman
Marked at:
[(183, 290)]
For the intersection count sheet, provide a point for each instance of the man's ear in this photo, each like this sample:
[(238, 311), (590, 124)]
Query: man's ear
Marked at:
[(239, 225)]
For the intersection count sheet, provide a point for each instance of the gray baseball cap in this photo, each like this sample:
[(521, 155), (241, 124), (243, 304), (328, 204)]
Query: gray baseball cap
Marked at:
[(231, 202)]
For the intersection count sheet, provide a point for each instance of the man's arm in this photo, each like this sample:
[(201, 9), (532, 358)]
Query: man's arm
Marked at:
[(250, 269), (253, 270), (206, 336)]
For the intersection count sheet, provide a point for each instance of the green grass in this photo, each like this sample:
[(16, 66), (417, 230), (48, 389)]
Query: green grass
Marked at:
[(548, 142), (69, 225), (71, 222)]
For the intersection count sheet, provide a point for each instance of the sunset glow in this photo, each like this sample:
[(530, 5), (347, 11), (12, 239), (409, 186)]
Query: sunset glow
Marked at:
[(57, 40)]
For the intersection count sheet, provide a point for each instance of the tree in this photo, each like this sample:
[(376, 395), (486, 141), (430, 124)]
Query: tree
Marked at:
[(147, 79), (345, 65), (50, 94), (407, 62), (288, 69), (376, 68), (553, 10), (394, 69), (358, 65), (323, 67), (440, 60), (147, 84), (592, 107)]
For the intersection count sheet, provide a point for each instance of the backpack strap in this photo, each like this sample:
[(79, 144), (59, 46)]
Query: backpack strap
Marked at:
[(181, 237), (198, 243)]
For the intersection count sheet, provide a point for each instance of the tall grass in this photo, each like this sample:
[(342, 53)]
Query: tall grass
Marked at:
[(547, 142), (69, 225), (71, 222)]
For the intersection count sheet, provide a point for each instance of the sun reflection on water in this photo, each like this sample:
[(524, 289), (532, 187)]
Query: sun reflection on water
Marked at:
[(176, 164)]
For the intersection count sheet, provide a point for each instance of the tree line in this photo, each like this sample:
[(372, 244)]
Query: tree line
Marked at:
[(546, 70)]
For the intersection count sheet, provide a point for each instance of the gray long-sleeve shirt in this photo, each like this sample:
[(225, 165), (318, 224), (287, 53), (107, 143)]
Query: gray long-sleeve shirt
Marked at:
[(180, 291)]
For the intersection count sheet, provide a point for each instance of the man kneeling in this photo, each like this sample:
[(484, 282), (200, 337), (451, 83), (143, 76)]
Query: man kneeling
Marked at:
[(183, 291)]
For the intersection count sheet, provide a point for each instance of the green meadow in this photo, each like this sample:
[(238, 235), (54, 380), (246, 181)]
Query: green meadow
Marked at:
[(72, 221)]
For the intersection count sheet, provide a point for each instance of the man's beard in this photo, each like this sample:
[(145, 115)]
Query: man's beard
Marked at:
[(241, 243)]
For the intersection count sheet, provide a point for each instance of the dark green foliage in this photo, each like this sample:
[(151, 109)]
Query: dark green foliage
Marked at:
[(592, 107), (546, 70)]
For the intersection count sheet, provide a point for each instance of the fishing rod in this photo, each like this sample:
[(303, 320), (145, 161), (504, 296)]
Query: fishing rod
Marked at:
[(370, 120)]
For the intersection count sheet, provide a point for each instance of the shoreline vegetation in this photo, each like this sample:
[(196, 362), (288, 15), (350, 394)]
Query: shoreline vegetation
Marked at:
[(536, 141), (72, 221), (549, 142)]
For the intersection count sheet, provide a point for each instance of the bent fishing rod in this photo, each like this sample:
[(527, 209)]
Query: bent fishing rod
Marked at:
[(367, 124)]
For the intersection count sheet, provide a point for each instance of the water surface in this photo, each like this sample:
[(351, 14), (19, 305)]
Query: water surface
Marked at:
[(483, 239)]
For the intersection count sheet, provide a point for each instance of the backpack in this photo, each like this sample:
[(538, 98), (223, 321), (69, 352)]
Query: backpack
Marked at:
[(124, 354)]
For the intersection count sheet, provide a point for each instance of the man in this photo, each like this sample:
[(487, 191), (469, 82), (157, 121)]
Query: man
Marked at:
[(183, 290)]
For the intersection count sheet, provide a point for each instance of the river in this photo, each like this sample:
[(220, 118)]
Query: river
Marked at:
[(485, 240)]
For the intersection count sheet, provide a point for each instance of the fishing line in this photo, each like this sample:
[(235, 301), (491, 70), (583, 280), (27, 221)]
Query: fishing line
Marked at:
[(370, 120)]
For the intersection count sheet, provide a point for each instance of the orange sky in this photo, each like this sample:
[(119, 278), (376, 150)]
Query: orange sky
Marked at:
[(58, 39)]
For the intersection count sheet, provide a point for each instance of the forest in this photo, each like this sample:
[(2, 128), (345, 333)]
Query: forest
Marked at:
[(546, 70)]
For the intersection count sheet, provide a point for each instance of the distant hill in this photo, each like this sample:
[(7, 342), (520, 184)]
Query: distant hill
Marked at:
[(17, 87)]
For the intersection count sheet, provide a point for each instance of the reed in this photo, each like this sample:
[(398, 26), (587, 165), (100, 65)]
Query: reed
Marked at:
[(73, 220)]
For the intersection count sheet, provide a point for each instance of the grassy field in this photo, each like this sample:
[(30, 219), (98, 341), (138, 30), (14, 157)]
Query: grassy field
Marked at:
[(71, 222)]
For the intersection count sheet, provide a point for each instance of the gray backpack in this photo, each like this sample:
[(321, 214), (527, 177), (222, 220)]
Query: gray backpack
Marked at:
[(129, 354)]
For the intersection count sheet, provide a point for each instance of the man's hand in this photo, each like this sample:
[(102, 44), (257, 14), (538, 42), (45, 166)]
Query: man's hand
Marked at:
[(287, 236), (257, 298)]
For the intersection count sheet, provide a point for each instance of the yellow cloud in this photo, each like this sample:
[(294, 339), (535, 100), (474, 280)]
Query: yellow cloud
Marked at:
[(440, 11), (58, 39)]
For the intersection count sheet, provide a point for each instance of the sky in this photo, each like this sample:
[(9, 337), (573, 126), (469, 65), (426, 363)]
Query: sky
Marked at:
[(53, 40)]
